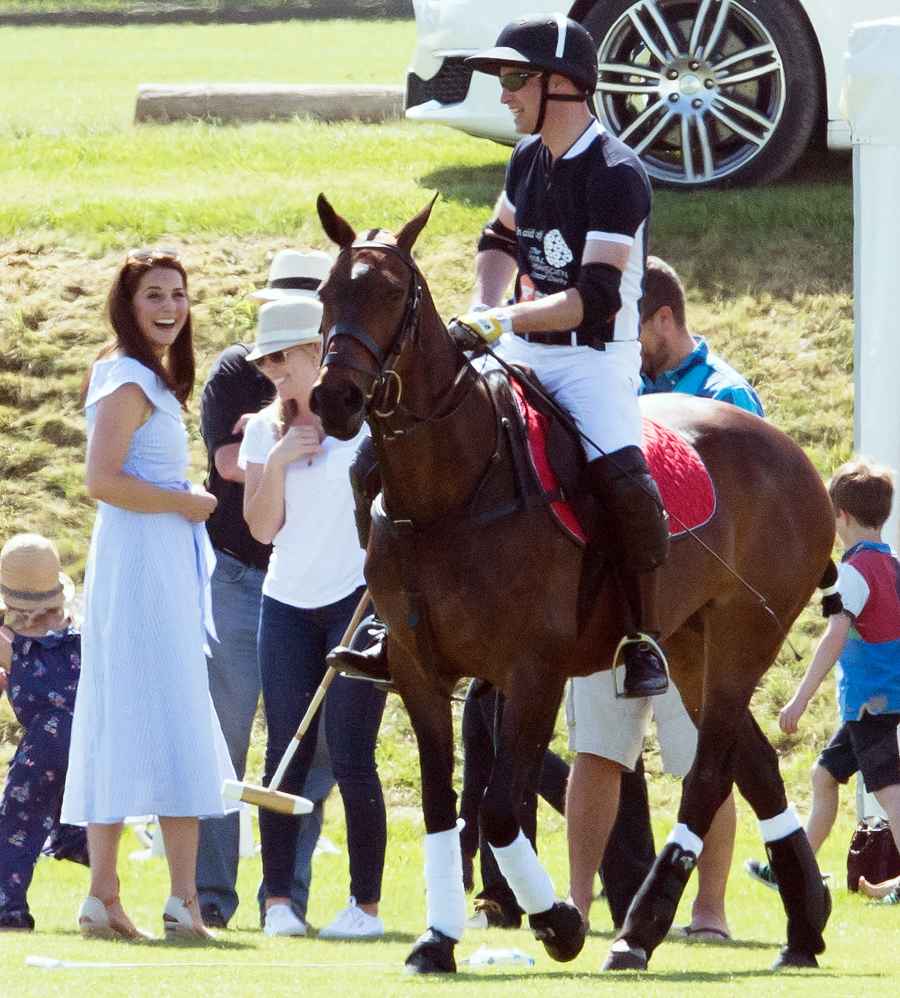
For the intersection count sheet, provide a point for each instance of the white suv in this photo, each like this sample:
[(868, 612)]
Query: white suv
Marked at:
[(707, 91)]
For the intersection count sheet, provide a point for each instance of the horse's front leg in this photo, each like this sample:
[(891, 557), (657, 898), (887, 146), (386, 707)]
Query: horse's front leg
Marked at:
[(527, 725), (429, 713)]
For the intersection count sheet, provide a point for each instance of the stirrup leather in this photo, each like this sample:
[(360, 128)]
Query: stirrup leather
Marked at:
[(619, 658)]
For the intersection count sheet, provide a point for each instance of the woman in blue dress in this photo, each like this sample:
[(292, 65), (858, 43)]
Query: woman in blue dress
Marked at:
[(145, 736)]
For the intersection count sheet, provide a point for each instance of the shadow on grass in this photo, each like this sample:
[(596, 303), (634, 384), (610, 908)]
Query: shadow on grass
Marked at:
[(629, 978), (471, 185)]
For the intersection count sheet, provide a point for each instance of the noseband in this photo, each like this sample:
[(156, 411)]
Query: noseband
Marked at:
[(384, 377)]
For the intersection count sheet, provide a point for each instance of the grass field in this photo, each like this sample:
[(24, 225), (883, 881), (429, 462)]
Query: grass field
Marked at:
[(861, 957), (769, 279)]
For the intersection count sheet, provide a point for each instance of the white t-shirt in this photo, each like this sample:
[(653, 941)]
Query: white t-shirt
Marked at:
[(316, 558)]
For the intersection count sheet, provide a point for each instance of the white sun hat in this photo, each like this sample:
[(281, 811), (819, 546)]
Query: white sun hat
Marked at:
[(287, 323), (293, 273)]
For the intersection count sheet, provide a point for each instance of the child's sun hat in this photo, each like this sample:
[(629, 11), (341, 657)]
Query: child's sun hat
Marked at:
[(31, 579)]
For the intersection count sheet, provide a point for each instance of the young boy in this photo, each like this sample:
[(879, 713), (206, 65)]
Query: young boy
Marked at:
[(864, 639)]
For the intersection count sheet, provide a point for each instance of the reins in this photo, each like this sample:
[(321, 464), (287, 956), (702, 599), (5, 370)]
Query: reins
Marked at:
[(386, 376), (570, 423), (386, 380)]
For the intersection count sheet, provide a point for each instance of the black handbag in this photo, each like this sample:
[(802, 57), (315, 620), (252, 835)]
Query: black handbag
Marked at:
[(872, 855)]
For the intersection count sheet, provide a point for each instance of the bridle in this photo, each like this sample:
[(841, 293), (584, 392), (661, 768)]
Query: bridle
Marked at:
[(385, 394)]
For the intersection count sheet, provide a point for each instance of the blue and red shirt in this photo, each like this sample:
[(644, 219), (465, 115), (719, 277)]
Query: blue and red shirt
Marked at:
[(869, 666)]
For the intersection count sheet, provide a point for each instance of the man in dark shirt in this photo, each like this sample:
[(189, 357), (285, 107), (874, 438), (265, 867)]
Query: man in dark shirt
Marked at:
[(235, 390)]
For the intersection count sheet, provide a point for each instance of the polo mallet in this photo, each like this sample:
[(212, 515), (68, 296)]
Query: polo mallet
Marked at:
[(271, 797)]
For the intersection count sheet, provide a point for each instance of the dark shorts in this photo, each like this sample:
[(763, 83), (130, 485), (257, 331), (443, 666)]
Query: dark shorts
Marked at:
[(870, 746)]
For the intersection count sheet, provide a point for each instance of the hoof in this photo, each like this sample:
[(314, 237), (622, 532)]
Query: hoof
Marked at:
[(432, 954), (624, 957), (560, 929), (794, 958)]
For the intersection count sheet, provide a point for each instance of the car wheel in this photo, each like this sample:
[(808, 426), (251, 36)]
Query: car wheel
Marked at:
[(708, 91)]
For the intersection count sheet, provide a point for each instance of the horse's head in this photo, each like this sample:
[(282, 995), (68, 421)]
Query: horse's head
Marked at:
[(371, 300)]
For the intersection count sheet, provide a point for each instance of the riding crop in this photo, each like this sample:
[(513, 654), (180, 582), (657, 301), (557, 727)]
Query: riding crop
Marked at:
[(271, 797)]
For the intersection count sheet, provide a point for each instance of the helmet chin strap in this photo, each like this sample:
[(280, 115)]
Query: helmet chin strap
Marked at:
[(547, 96)]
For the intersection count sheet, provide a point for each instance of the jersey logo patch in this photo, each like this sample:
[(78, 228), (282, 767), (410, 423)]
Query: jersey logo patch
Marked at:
[(556, 251)]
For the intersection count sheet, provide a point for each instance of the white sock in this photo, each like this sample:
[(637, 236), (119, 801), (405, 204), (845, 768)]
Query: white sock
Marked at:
[(779, 827), (682, 836), (529, 881), (444, 894)]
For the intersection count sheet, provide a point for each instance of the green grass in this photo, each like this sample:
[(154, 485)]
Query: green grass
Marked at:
[(861, 956), (65, 80), (769, 279)]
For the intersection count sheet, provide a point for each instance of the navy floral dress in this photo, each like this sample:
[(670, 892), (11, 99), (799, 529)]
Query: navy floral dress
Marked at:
[(43, 678)]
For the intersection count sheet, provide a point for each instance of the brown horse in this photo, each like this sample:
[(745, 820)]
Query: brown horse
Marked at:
[(473, 582)]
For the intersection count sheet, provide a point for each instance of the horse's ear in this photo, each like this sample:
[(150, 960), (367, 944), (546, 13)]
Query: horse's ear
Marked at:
[(336, 228), (408, 235)]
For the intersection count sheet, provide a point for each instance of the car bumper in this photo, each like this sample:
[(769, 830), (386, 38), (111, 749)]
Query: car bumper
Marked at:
[(456, 97)]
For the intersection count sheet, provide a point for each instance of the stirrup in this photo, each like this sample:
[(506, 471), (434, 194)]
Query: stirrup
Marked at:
[(619, 659)]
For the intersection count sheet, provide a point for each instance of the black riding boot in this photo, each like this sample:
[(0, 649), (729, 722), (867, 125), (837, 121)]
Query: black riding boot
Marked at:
[(367, 653), (646, 674), (633, 525)]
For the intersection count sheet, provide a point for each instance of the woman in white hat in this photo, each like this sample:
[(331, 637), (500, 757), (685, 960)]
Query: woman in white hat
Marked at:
[(297, 497), (145, 737)]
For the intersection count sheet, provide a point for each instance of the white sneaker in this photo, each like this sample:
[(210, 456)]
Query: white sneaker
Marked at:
[(353, 923), (282, 921)]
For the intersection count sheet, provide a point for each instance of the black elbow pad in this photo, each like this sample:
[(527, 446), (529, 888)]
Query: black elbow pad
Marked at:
[(496, 236), (598, 285)]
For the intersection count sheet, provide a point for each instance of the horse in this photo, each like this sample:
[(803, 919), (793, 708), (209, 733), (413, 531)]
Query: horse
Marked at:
[(474, 582)]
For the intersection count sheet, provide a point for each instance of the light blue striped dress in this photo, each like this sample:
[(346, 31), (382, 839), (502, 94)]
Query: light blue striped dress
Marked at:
[(145, 736)]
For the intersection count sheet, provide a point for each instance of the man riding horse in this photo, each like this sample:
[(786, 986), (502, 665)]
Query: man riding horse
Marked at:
[(572, 226)]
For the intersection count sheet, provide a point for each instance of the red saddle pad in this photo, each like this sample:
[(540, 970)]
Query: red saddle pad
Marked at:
[(685, 486)]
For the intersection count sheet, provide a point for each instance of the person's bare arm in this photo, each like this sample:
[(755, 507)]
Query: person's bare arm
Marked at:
[(826, 654), (119, 416), (264, 483), (6, 638), (564, 310), (494, 269)]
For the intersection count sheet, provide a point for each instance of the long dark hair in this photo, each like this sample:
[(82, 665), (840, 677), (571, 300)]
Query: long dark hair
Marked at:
[(177, 373)]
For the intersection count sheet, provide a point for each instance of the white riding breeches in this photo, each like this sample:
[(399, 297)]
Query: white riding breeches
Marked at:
[(598, 387)]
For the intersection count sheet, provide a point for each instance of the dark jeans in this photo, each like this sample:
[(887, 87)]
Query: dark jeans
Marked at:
[(236, 591), (630, 851), (293, 644)]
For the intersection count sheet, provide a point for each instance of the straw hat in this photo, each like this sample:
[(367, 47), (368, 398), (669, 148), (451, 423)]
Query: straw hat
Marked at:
[(287, 323), (294, 273), (30, 576)]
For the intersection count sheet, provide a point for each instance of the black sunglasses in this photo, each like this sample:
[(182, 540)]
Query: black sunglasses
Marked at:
[(515, 81)]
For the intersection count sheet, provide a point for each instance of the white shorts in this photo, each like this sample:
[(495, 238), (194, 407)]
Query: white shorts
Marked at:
[(602, 724), (598, 387)]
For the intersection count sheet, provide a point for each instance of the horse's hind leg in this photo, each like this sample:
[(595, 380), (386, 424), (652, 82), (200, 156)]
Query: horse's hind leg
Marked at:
[(429, 713), (528, 719), (806, 899)]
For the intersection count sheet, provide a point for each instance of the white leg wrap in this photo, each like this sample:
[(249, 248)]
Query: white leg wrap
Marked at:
[(682, 836), (444, 895), (779, 827), (529, 881)]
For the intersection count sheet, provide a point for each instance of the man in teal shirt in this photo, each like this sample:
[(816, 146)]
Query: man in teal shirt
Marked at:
[(672, 360)]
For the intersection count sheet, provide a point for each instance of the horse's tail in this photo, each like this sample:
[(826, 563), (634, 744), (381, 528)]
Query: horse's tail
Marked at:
[(831, 598)]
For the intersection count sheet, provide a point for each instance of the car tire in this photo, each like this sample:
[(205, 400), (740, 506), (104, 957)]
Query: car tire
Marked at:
[(741, 110)]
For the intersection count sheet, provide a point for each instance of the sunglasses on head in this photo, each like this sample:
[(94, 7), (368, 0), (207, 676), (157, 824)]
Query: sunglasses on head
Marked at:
[(150, 255), (515, 80)]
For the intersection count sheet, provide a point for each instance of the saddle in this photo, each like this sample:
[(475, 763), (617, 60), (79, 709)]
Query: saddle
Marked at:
[(553, 455)]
